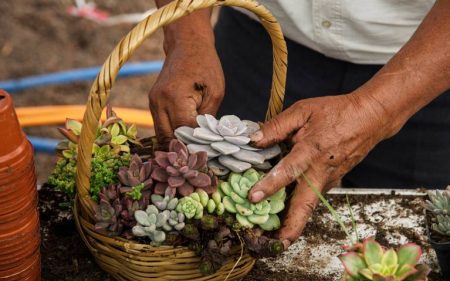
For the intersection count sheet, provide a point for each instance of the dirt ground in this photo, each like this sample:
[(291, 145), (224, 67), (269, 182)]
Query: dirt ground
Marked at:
[(39, 37)]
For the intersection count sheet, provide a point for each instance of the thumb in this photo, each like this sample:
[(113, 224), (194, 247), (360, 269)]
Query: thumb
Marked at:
[(280, 127)]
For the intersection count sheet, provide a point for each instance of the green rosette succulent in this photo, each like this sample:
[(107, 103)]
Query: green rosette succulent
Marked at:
[(439, 206), (193, 206), (369, 261), (263, 214)]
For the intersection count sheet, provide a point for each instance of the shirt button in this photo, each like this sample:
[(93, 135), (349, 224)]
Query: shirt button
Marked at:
[(326, 24)]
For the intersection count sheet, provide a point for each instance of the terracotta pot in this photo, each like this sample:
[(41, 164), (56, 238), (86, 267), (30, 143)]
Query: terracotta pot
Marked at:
[(19, 218)]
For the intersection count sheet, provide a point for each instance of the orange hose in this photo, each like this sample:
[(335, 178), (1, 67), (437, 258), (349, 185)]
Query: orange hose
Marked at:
[(57, 114)]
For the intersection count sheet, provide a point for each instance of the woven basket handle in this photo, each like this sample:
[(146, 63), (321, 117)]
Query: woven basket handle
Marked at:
[(100, 90)]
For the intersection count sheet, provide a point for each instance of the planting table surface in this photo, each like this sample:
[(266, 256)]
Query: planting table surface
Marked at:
[(392, 219)]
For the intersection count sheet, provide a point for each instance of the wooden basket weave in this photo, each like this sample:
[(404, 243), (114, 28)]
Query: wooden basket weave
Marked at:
[(124, 259)]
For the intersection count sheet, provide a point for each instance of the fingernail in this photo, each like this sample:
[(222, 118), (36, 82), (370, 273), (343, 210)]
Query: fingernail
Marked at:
[(257, 136), (257, 196), (286, 244)]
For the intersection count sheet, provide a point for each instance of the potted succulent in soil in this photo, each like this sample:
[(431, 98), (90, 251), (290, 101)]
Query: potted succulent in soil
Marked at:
[(366, 259), (438, 227), (177, 197)]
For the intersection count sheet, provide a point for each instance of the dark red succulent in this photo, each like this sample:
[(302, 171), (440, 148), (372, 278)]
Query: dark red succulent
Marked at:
[(178, 171)]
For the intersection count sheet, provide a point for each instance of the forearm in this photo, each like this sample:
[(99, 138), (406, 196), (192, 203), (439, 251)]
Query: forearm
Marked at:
[(416, 75), (192, 29)]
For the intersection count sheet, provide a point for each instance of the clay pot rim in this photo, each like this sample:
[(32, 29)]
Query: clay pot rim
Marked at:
[(17, 159)]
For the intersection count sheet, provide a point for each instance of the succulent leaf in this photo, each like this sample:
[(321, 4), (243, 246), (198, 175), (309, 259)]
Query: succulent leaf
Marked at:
[(227, 140), (181, 171), (249, 214)]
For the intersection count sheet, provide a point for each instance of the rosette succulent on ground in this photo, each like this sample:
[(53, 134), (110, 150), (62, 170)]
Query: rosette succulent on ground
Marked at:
[(439, 205), (263, 214), (178, 171), (158, 219), (226, 142), (369, 261)]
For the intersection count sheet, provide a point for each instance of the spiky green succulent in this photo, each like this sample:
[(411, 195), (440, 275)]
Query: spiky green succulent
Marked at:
[(113, 132), (439, 206), (439, 202), (442, 225), (369, 261), (263, 214), (158, 219)]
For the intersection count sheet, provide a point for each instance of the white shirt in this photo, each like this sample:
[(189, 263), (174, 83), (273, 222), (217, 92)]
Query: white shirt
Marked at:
[(358, 31)]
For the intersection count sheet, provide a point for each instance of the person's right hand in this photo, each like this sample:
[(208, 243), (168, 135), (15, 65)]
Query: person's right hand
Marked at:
[(190, 83)]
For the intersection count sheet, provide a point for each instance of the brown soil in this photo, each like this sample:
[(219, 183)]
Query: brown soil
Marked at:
[(39, 37)]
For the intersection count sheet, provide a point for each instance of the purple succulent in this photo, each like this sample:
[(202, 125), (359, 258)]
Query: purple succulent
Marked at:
[(182, 172), (137, 173), (107, 211)]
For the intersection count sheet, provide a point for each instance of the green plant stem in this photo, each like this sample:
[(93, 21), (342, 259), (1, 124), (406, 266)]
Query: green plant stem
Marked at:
[(355, 228), (333, 212)]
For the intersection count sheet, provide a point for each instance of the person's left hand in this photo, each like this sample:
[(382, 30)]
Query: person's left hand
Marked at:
[(330, 136)]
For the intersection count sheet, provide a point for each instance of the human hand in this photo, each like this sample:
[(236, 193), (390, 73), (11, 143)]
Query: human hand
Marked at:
[(330, 136), (190, 83)]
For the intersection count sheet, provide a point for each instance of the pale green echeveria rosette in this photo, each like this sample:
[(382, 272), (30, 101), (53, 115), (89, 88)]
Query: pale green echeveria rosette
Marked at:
[(193, 206), (159, 218), (262, 214)]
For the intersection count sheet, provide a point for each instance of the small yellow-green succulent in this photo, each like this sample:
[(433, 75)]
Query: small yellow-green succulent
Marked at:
[(263, 214), (192, 206)]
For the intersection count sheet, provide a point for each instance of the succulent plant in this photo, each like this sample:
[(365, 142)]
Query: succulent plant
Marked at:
[(439, 206), (261, 246), (104, 167), (439, 203), (263, 214), (135, 179), (113, 132), (107, 212), (369, 261), (129, 207), (194, 205), (190, 207), (179, 171), (442, 225), (226, 144), (159, 218)]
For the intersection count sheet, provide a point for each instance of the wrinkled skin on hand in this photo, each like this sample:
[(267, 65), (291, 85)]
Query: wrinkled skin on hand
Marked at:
[(330, 136), (190, 83)]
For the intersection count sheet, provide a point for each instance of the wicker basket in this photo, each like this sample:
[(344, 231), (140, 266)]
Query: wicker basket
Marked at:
[(124, 259)]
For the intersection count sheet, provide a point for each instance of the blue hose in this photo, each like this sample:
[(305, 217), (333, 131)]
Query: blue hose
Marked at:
[(45, 145), (82, 74)]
